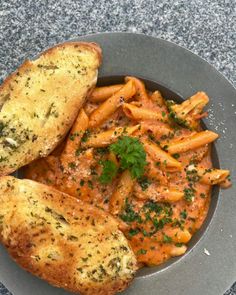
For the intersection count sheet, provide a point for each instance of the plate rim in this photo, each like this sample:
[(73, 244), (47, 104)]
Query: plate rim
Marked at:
[(158, 38), (222, 77)]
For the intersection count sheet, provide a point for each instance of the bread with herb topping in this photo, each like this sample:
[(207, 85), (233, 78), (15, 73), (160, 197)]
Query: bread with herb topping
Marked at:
[(62, 240), (40, 101)]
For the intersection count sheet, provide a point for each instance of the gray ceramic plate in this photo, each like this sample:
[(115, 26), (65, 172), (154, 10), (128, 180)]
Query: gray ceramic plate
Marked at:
[(209, 267)]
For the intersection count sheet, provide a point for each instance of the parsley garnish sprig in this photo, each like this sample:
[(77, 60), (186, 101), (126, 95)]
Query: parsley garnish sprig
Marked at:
[(109, 171), (132, 157), (131, 154)]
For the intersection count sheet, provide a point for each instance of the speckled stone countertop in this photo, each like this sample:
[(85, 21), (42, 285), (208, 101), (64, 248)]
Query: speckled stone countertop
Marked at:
[(207, 27)]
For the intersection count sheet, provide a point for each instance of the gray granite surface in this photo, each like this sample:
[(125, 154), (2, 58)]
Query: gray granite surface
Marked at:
[(207, 27)]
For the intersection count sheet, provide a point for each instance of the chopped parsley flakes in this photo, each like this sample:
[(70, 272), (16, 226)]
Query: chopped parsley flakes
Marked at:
[(144, 182), (141, 252), (189, 194), (183, 214), (147, 220), (86, 136), (167, 239)]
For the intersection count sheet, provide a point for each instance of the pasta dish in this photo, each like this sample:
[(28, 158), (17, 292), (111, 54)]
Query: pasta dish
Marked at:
[(145, 160)]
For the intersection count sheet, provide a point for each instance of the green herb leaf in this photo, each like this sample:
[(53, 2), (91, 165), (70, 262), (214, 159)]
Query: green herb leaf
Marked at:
[(133, 232), (167, 239), (90, 184), (72, 165), (102, 151), (192, 176), (176, 156), (151, 136), (81, 182), (109, 172), (189, 194), (207, 170), (174, 116), (184, 214), (86, 136), (165, 147), (131, 153), (78, 152), (2, 159), (153, 207), (129, 215), (2, 126), (141, 252), (144, 182), (73, 136), (202, 195)]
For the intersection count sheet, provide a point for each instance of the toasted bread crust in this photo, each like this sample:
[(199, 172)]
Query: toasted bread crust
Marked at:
[(56, 237), (91, 45), (94, 46), (27, 94)]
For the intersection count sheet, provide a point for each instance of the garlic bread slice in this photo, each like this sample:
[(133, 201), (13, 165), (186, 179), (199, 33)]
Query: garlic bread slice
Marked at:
[(62, 240), (40, 101)]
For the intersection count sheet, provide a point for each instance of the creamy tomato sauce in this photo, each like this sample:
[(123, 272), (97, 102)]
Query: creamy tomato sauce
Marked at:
[(157, 229)]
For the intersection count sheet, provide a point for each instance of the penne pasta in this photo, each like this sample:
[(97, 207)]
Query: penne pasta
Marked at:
[(123, 190), (177, 251), (178, 236), (141, 93), (74, 139), (213, 176), (192, 142), (160, 194), (210, 176), (166, 161), (100, 94), (190, 111), (107, 137), (225, 183), (154, 173), (173, 195), (158, 129), (108, 107), (194, 104), (158, 98), (139, 113), (175, 235), (90, 107)]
